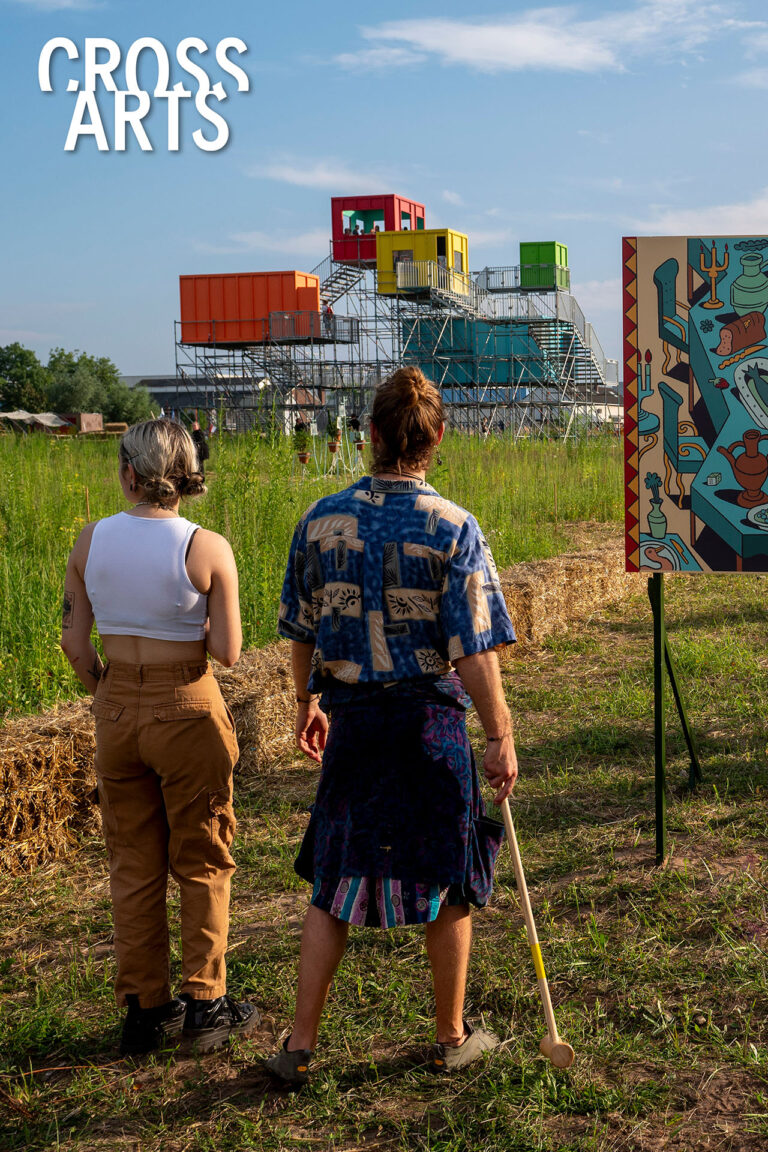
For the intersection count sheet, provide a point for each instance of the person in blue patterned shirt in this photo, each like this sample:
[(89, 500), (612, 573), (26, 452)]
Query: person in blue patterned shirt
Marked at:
[(393, 604)]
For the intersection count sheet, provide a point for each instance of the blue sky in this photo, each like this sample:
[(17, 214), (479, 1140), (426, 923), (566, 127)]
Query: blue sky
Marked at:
[(578, 123)]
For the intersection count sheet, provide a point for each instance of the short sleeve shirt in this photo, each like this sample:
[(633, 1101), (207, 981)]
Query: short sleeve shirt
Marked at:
[(390, 582)]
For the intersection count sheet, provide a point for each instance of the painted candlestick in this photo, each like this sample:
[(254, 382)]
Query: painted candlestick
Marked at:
[(713, 270)]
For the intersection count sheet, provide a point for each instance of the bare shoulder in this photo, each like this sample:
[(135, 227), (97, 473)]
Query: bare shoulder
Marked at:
[(80, 549), (212, 544), (210, 555)]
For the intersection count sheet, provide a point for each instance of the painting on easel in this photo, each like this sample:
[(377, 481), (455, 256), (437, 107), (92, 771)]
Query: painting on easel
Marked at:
[(696, 403)]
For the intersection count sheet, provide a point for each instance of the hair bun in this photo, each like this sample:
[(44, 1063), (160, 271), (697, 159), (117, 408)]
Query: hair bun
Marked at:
[(160, 490), (192, 485)]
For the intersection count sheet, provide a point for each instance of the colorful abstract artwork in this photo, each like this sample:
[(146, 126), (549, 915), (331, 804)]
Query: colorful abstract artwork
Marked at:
[(696, 403)]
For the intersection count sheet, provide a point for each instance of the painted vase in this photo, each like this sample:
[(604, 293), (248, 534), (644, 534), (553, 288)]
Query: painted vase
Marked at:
[(657, 521), (749, 292), (750, 468)]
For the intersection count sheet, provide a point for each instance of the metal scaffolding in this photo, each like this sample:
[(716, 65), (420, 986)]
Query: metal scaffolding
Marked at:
[(507, 356)]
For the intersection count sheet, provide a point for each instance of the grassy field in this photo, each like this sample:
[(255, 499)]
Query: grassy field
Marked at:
[(522, 494), (658, 975)]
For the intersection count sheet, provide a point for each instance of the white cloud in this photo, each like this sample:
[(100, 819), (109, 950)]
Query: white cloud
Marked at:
[(556, 39), (312, 244), (752, 78), (598, 295), (59, 5), (328, 174), (480, 239), (14, 335), (744, 217), (379, 59), (453, 198)]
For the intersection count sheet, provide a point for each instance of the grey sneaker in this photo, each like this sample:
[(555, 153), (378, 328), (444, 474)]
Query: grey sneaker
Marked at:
[(446, 1058), (290, 1067), (210, 1024)]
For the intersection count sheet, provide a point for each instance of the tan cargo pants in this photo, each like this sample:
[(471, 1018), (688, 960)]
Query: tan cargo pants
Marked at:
[(165, 750)]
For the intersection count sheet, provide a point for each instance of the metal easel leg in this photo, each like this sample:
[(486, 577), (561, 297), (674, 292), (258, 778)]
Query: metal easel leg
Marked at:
[(656, 596)]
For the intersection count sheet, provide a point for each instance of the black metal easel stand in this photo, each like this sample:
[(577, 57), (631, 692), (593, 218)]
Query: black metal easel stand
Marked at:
[(663, 666)]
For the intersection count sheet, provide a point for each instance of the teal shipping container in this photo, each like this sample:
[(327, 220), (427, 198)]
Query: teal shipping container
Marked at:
[(464, 352), (544, 264)]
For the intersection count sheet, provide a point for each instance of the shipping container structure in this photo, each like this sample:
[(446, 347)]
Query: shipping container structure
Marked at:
[(357, 221), (544, 265), (435, 258), (509, 346), (234, 308)]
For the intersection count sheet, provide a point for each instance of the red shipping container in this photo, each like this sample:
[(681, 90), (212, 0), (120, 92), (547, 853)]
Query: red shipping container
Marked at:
[(390, 213), (234, 308)]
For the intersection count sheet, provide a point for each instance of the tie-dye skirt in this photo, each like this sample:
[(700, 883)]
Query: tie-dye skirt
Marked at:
[(398, 827)]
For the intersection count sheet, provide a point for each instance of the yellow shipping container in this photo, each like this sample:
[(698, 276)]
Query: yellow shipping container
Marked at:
[(428, 258)]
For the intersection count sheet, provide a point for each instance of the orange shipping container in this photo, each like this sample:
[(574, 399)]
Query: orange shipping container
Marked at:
[(234, 308)]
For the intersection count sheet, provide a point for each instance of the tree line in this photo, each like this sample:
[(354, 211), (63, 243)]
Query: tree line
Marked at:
[(69, 382)]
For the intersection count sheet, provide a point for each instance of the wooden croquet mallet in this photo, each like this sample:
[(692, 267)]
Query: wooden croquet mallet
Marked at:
[(556, 1050)]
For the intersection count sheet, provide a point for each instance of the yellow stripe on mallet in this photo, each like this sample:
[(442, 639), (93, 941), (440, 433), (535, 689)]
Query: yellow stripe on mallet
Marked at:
[(558, 1053)]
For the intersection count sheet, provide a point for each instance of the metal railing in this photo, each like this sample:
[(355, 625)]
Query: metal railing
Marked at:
[(414, 275), (525, 277), (290, 326)]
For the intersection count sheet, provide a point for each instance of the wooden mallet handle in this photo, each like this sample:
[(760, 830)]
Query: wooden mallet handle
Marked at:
[(558, 1053)]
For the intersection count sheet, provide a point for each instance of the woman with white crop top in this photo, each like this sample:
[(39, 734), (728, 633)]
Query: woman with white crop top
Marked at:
[(163, 593)]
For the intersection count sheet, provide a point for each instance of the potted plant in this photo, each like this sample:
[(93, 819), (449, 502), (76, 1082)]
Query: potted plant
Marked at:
[(301, 442), (334, 434), (334, 431), (657, 521)]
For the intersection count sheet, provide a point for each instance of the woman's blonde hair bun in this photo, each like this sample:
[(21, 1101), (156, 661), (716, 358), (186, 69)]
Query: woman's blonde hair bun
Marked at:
[(165, 459)]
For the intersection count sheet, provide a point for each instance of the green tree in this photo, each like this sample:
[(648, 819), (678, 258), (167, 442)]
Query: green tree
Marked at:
[(23, 380), (83, 383)]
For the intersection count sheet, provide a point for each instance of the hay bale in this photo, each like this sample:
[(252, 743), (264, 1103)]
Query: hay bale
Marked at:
[(46, 775), (259, 691), (46, 761), (544, 597)]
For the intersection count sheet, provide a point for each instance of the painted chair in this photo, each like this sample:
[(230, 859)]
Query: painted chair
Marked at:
[(673, 328), (684, 452)]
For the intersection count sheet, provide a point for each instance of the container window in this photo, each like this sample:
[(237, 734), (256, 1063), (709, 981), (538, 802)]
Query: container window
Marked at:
[(458, 261), (402, 255)]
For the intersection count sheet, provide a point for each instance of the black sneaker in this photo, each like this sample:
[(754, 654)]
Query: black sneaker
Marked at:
[(146, 1029), (209, 1024)]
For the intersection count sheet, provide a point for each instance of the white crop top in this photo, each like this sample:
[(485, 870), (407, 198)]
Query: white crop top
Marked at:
[(137, 582)]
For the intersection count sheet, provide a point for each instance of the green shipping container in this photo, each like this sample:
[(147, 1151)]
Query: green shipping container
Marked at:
[(544, 264)]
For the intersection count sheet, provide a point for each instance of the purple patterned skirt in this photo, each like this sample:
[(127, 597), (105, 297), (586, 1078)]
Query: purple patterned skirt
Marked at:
[(398, 826)]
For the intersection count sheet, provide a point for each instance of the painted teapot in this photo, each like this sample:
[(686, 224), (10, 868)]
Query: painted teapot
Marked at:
[(750, 467)]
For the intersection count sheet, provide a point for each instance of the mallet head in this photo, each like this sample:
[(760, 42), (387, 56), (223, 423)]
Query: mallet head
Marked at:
[(559, 1054)]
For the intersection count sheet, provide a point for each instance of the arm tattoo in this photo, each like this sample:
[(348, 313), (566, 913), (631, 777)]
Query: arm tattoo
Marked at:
[(67, 609)]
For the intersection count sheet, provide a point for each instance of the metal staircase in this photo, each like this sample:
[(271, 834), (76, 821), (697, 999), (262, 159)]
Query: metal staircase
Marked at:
[(576, 366), (336, 279), (445, 287)]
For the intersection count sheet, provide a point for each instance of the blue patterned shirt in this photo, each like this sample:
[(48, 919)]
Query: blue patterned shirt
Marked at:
[(390, 582)]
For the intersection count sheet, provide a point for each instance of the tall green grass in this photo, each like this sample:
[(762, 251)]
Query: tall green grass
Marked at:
[(523, 494)]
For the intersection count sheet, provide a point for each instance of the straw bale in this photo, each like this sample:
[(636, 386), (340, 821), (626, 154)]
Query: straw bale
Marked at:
[(46, 776), (544, 597), (46, 761), (259, 691)]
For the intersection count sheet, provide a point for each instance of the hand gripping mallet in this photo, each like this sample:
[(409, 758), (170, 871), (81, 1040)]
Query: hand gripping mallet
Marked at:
[(556, 1050)]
